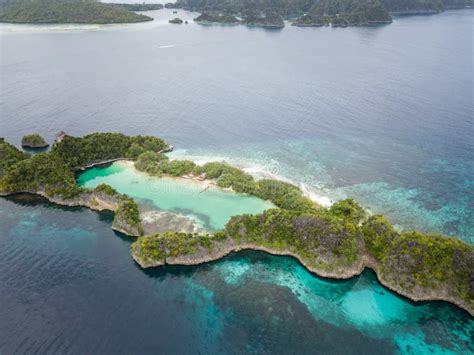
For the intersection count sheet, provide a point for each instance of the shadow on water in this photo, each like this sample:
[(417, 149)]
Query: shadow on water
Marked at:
[(252, 257), (34, 151), (32, 200)]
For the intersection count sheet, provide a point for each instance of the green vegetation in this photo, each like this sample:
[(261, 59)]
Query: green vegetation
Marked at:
[(80, 151), (176, 21), (137, 6), (348, 209), (172, 5), (127, 213), (270, 20), (211, 18), (307, 13), (423, 265), (170, 244), (42, 172), (333, 240), (344, 13), (414, 260), (413, 6), (315, 13), (106, 189), (282, 194), (378, 233), (33, 141), (322, 241), (65, 11), (53, 173), (9, 156)]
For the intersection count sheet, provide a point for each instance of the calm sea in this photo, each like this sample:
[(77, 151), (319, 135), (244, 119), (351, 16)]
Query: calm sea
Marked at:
[(381, 114)]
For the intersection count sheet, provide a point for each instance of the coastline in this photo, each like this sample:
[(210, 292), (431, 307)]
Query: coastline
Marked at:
[(349, 272), (92, 200), (203, 184), (258, 173), (335, 255)]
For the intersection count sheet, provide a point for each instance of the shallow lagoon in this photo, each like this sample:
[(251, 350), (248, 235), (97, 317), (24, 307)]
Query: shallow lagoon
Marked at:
[(210, 207), (379, 127)]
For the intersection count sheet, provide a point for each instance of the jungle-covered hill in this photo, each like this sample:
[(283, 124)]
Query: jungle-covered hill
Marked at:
[(65, 11), (324, 12)]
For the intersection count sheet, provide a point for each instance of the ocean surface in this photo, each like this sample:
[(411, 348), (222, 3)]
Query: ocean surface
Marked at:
[(382, 114), (69, 285)]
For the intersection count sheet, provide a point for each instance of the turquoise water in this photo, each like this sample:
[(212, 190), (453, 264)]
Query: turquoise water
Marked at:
[(68, 285), (210, 208), (382, 114)]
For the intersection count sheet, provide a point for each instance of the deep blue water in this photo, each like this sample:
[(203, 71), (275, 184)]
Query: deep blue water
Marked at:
[(382, 114), (68, 285)]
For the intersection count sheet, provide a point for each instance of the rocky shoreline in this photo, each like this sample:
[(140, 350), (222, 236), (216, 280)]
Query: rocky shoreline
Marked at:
[(341, 273), (336, 242), (95, 201)]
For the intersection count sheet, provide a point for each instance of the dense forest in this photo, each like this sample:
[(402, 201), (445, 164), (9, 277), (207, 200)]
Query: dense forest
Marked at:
[(137, 6), (65, 11), (323, 12), (261, 13)]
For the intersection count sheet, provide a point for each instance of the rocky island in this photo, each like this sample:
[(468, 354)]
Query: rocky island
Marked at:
[(209, 18), (52, 174), (137, 7), (336, 242), (66, 11), (33, 141), (176, 21), (316, 13)]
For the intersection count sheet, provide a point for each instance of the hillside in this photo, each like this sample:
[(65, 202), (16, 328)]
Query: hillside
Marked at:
[(324, 12), (65, 11)]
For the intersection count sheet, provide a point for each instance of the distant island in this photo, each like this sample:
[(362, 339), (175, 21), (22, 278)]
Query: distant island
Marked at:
[(176, 21), (216, 18), (34, 141), (272, 21), (67, 11), (137, 6), (315, 13), (336, 242), (269, 15)]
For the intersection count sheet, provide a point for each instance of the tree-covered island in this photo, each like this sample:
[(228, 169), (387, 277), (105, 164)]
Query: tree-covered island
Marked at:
[(52, 174), (137, 7), (271, 15), (176, 21), (33, 140), (314, 13), (216, 18), (336, 242), (67, 11)]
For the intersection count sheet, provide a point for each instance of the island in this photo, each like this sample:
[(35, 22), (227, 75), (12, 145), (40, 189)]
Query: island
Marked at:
[(413, 7), (137, 7), (176, 21), (52, 174), (316, 13), (66, 11), (271, 20), (336, 242), (33, 141), (209, 18)]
